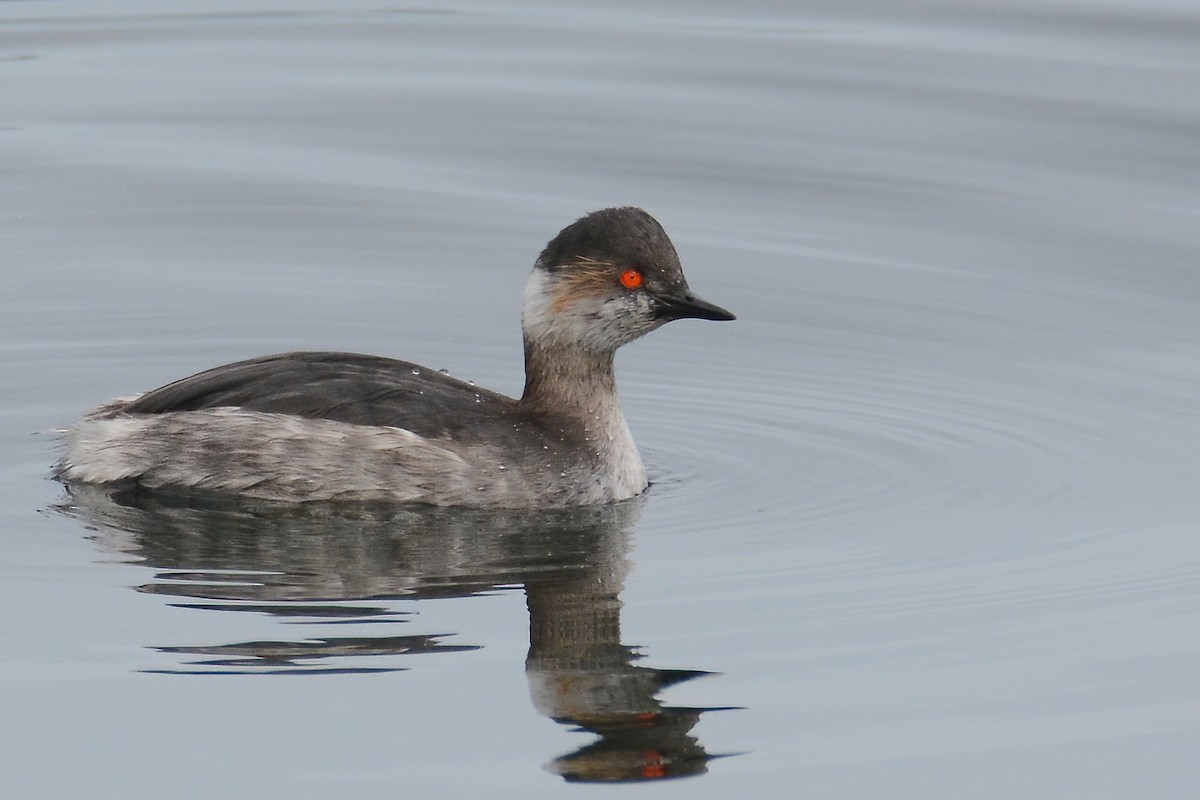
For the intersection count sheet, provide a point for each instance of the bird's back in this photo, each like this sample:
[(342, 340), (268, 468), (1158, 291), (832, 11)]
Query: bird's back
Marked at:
[(340, 387)]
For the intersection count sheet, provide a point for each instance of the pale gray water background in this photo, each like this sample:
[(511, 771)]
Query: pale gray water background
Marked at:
[(930, 508)]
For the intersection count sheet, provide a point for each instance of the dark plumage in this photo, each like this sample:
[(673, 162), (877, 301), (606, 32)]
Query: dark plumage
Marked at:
[(344, 387), (626, 236)]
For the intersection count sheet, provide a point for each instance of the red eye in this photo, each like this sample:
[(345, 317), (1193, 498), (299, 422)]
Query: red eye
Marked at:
[(631, 279)]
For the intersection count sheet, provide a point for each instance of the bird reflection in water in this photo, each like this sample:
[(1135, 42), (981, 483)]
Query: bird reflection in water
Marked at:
[(348, 565)]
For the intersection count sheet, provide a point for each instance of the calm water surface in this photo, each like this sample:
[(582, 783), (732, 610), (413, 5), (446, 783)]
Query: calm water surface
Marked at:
[(925, 520)]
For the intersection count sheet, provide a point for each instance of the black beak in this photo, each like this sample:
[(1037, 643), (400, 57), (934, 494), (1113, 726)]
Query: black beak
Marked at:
[(687, 306)]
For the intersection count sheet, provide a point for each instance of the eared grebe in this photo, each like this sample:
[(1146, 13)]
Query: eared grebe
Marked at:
[(339, 426)]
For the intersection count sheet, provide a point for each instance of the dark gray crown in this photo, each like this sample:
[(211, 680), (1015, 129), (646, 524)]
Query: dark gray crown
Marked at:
[(627, 237)]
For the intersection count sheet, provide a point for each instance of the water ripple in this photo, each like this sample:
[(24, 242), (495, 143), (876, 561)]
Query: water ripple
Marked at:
[(859, 441)]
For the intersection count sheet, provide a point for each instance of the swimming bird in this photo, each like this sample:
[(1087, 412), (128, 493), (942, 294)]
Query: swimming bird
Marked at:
[(317, 426)]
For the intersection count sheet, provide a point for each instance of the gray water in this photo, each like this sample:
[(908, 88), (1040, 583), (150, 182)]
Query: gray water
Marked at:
[(925, 520)]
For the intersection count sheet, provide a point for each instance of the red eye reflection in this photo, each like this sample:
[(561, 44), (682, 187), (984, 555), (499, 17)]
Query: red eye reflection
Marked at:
[(631, 279)]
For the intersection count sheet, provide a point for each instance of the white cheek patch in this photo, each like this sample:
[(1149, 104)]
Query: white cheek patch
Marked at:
[(547, 318), (537, 316), (592, 322)]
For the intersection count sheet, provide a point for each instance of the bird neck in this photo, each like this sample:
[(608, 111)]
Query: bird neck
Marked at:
[(569, 381)]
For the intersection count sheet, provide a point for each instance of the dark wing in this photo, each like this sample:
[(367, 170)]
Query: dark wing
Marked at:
[(346, 387)]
